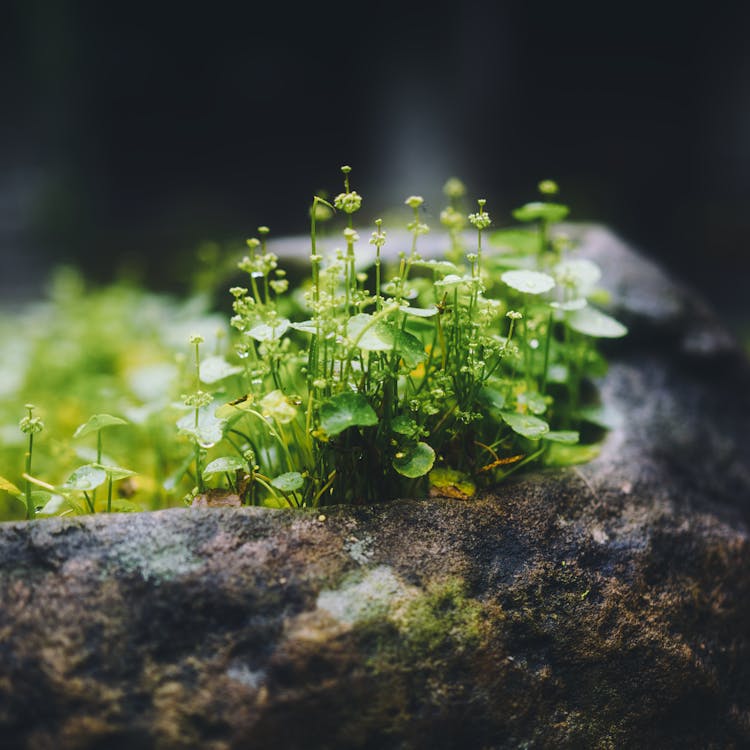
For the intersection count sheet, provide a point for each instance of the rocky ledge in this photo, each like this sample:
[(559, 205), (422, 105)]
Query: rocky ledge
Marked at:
[(603, 606)]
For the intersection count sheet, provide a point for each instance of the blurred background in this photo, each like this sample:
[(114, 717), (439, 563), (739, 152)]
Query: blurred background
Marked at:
[(132, 133)]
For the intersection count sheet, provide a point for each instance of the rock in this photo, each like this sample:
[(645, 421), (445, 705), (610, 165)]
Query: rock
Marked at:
[(603, 606)]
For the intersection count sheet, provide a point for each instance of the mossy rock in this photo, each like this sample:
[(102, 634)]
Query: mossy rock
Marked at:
[(600, 606)]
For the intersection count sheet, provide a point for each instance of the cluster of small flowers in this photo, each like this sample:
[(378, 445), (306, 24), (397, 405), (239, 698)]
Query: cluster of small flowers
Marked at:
[(481, 220), (349, 203), (198, 399), (30, 424)]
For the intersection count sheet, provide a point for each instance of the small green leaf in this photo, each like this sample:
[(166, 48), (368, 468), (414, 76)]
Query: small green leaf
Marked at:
[(528, 282), (210, 429), (289, 482), (560, 454), (541, 210), (491, 398), (591, 322), (525, 424), (452, 280), (266, 332), (369, 334), (96, 423), (535, 402), (346, 410), (116, 472), (579, 272), (225, 464), (7, 486), (306, 326), (410, 349), (51, 504), (403, 425), (84, 479), (567, 437), (278, 406), (415, 462), (214, 369), (420, 312), (439, 266)]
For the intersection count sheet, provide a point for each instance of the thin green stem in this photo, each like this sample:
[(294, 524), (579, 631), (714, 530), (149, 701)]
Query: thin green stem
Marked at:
[(89, 502), (547, 341), (98, 456), (30, 509)]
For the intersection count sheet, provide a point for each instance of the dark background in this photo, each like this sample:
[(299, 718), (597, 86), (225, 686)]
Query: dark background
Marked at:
[(133, 132)]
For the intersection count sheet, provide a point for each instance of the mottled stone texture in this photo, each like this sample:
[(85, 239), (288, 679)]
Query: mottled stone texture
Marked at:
[(604, 606)]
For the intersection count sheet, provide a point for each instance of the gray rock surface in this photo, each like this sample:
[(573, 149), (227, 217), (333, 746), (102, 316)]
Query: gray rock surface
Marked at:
[(603, 606)]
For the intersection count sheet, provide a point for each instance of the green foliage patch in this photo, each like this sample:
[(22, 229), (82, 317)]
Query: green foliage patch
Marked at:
[(384, 374)]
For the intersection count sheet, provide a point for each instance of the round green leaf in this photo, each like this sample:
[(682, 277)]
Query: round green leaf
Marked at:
[(591, 322), (580, 272), (289, 482), (410, 349), (96, 423), (416, 462), (403, 425), (266, 332), (528, 282), (369, 334), (525, 424), (84, 479), (225, 464), (541, 210), (210, 428), (346, 410), (535, 402), (492, 398)]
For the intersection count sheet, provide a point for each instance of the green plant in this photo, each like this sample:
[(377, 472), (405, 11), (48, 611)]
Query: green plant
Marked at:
[(384, 374), (378, 394)]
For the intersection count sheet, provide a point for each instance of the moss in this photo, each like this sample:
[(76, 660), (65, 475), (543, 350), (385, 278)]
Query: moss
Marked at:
[(443, 617)]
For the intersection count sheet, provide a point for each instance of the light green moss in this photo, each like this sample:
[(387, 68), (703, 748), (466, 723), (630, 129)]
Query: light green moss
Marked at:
[(442, 616)]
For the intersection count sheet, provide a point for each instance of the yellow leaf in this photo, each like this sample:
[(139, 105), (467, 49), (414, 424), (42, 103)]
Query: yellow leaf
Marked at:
[(7, 486)]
